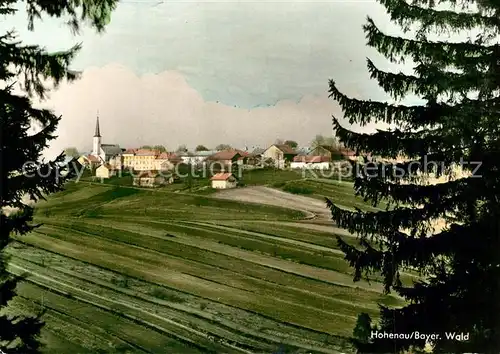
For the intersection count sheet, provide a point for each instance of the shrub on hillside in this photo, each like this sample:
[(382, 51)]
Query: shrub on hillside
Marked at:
[(297, 189), (165, 295)]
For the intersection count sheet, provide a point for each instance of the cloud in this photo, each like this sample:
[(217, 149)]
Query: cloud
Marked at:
[(244, 53), (165, 109)]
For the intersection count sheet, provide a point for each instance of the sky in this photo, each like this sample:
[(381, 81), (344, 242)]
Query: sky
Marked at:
[(185, 72)]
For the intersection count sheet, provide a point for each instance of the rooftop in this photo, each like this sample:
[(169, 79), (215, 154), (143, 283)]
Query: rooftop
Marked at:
[(222, 176), (286, 149), (224, 155), (311, 159)]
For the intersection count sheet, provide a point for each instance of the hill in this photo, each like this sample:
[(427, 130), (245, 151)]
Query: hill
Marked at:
[(122, 269)]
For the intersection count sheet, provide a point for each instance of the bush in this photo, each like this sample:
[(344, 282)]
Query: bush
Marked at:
[(122, 282), (297, 190), (165, 295)]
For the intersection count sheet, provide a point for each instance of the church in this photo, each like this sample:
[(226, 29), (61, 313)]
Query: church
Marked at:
[(103, 154)]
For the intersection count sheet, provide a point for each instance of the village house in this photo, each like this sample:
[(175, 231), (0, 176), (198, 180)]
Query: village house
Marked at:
[(89, 161), (149, 160), (281, 155), (224, 181), (249, 159), (225, 159), (116, 162), (166, 161), (312, 162), (334, 153), (105, 171), (197, 157), (140, 159), (152, 179), (327, 150)]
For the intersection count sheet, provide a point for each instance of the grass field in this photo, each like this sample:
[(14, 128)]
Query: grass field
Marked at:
[(122, 269)]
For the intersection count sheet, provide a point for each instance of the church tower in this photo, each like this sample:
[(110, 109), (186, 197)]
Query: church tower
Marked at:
[(96, 146)]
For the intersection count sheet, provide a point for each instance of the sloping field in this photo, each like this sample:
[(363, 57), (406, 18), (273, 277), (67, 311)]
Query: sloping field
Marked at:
[(128, 270), (270, 196)]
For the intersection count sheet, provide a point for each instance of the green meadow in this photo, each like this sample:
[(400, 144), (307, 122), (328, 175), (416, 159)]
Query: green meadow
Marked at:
[(175, 270)]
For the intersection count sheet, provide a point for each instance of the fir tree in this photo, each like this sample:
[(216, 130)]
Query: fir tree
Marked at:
[(459, 265), (362, 330), (23, 172)]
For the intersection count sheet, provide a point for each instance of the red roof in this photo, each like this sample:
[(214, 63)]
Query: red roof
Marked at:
[(347, 152), (93, 158), (311, 159), (108, 166), (130, 151), (243, 153), (224, 155), (147, 152), (222, 176), (167, 156)]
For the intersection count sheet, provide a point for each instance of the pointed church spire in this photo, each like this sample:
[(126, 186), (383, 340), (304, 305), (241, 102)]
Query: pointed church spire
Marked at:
[(97, 131)]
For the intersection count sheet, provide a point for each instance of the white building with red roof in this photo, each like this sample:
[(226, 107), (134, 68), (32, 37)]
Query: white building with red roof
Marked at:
[(224, 181), (313, 162)]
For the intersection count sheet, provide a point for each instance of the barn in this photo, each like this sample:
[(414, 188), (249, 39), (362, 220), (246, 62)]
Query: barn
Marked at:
[(224, 181)]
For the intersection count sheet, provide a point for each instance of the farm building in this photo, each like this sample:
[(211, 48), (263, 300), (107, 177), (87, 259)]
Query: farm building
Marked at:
[(280, 154), (349, 154), (326, 150), (224, 181), (166, 161), (105, 171), (225, 158), (89, 161), (194, 158), (116, 162), (334, 153), (152, 179), (314, 162)]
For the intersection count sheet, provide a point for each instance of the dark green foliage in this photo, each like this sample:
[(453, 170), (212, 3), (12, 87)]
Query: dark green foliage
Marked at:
[(362, 331), (163, 294), (24, 174), (201, 148), (222, 147), (72, 151), (160, 148), (297, 189), (459, 121), (292, 143)]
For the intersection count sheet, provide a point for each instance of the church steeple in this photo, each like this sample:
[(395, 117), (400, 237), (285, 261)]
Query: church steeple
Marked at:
[(96, 141), (97, 131)]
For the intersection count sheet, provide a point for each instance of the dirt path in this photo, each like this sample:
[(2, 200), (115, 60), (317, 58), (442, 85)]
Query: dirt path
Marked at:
[(314, 208), (310, 225)]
